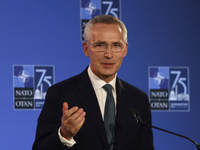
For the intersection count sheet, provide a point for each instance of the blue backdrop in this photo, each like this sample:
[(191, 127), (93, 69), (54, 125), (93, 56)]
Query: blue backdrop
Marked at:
[(48, 32)]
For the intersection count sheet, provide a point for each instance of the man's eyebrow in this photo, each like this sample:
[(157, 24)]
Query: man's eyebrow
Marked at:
[(101, 42), (105, 42)]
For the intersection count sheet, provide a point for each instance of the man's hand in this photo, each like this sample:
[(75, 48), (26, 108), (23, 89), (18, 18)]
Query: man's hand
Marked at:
[(71, 121)]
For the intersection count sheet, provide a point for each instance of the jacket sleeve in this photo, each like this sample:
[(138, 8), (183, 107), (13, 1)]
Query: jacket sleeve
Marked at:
[(49, 122)]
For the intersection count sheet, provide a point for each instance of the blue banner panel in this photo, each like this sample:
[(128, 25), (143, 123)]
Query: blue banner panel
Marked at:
[(30, 85), (37, 35), (169, 88)]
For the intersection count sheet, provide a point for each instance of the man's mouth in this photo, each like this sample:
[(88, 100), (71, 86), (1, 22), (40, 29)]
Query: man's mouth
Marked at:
[(108, 64)]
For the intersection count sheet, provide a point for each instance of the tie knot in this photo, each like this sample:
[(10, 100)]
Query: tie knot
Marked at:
[(108, 88)]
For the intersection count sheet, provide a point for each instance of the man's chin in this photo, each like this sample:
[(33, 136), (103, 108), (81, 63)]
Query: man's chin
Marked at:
[(108, 75)]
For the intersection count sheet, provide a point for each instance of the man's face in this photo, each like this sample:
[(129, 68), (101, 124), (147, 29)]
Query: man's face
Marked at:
[(105, 64)]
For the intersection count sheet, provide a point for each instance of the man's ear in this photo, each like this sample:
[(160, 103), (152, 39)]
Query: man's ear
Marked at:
[(125, 50), (85, 49)]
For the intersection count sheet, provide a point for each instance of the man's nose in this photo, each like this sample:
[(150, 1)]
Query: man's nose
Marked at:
[(109, 52)]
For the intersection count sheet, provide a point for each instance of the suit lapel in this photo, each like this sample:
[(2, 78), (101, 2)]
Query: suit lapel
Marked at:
[(122, 111), (88, 99)]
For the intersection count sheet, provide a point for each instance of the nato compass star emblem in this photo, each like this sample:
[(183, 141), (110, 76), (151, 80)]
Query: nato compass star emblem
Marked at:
[(23, 76), (159, 78), (90, 8)]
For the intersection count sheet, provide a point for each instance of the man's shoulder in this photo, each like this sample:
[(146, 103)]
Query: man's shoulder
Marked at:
[(130, 88), (69, 82)]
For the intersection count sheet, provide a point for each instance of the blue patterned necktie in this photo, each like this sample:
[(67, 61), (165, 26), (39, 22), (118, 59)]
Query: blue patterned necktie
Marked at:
[(109, 114)]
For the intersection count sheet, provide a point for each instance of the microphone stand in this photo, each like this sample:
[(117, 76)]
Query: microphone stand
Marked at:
[(136, 114)]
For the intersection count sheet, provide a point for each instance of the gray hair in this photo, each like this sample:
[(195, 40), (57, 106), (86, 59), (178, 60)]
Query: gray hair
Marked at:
[(107, 19)]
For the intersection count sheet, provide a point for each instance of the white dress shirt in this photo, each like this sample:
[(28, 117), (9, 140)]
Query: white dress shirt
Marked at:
[(101, 94)]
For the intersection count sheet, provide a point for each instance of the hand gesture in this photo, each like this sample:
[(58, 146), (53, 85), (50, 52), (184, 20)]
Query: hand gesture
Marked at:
[(71, 121)]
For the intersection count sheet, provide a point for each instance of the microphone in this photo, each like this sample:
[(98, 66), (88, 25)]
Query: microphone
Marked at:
[(109, 145), (136, 114)]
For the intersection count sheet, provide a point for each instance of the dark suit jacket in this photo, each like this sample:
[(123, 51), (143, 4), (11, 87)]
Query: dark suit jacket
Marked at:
[(78, 91)]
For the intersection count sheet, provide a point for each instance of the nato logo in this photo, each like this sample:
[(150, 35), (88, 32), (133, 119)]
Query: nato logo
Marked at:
[(91, 8), (169, 88), (30, 85)]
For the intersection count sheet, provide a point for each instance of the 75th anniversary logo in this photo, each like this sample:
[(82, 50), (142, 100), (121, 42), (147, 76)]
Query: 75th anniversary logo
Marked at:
[(30, 85), (169, 88), (91, 8)]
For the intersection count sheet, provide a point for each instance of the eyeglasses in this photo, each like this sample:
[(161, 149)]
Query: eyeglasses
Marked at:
[(102, 47)]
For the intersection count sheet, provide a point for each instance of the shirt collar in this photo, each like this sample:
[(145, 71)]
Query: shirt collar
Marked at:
[(99, 83)]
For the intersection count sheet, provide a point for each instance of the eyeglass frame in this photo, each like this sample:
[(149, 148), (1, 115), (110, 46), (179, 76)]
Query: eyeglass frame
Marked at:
[(105, 45)]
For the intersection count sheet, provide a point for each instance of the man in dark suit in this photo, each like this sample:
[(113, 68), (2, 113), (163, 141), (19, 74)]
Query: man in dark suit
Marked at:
[(75, 112)]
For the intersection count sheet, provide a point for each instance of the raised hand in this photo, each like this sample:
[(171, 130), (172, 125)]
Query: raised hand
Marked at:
[(71, 121)]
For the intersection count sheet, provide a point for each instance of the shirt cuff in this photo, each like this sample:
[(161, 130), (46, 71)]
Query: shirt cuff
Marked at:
[(68, 143)]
